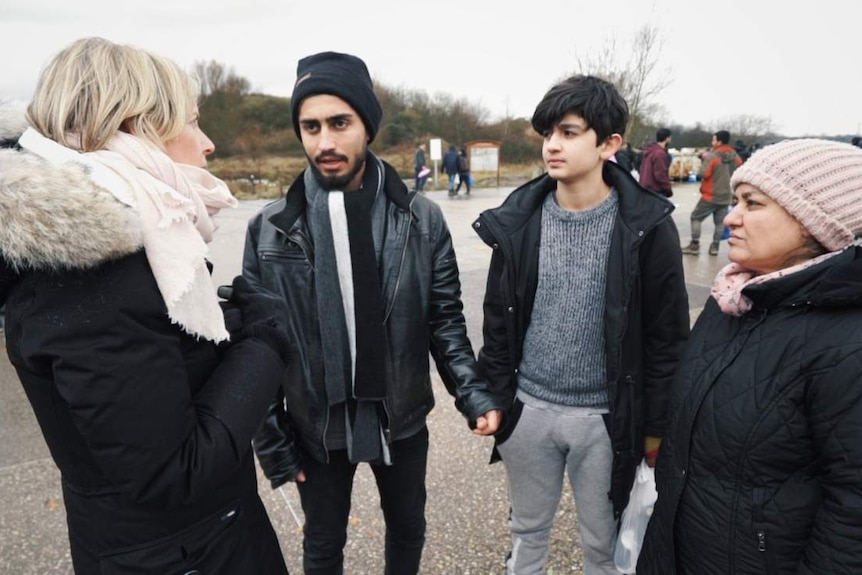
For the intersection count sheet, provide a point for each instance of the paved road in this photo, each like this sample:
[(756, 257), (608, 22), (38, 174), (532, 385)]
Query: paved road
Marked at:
[(467, 502)]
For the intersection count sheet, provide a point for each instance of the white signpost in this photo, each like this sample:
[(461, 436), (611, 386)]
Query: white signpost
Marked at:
[(435, 150)]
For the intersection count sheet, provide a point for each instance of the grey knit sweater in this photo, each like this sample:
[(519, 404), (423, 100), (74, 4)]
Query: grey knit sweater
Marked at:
[(564, 347)]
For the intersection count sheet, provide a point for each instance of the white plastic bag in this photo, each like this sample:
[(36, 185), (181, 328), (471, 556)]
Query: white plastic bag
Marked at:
[(635, 518)]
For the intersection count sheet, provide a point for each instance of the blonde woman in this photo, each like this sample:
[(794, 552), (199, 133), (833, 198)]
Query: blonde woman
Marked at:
[(146, 398)]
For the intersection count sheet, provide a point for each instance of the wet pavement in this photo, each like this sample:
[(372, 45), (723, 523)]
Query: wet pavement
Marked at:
[(467, 502)]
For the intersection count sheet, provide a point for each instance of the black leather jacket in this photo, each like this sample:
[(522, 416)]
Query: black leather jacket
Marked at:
[(423, 311)]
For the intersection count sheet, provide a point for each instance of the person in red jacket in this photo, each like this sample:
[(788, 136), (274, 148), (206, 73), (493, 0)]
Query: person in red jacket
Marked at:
[(655, 166), (715, 171)]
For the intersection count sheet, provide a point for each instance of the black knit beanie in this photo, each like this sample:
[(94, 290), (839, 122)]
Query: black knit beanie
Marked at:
[(341, 75)]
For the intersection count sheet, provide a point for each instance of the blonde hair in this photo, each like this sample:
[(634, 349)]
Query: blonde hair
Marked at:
[(94, 88)]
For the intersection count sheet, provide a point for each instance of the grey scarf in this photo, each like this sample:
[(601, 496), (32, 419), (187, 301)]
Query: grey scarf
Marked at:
[(346, 263)]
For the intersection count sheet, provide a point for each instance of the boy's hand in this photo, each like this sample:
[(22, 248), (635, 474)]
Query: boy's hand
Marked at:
[(651, 446), (489, 423)]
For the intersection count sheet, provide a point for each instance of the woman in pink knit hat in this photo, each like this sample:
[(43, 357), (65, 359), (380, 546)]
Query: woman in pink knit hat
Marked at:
[(760, 471)]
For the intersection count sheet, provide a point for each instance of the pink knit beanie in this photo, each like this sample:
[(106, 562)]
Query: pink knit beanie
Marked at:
[(819, 182)]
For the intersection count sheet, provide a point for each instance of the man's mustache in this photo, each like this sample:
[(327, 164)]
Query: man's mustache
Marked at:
[(323, 157)]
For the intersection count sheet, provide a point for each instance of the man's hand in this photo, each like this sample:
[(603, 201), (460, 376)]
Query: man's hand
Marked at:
[(300, 477), (488, 423)]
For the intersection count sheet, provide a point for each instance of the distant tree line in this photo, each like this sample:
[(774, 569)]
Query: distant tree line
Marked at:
[(244, 123), (247, 124)]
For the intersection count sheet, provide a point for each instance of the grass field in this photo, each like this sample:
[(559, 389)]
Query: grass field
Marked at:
[(268, 177)]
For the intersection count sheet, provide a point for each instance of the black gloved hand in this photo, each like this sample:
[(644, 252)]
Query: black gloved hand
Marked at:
[(252, 313), (232, 313)]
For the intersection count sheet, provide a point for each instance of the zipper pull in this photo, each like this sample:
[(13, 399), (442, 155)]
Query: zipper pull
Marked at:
[(761, 541)]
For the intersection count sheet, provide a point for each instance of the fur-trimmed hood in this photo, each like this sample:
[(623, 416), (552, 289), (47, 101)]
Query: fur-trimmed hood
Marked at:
[(53, 217), (13, 122)]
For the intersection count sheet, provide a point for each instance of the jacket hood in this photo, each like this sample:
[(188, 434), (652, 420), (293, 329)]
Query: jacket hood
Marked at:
[(13, 122), (726, 153), (640, 210), (54, 217), (654, 148)]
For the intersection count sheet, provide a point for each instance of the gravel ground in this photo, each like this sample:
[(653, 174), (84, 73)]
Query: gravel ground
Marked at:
[(467, 501), (466, 511)]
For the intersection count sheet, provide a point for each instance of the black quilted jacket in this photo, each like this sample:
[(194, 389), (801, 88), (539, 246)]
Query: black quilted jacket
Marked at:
[(761, 469)]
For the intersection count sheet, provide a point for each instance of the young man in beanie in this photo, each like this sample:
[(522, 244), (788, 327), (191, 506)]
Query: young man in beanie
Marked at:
[(369, 272), (715, 170), (586, 314)]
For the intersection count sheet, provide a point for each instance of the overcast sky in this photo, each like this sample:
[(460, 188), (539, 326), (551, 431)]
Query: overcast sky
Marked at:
[(796, 65)]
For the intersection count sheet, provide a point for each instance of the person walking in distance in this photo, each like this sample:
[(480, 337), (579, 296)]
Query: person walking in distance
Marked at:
[(419, 167), (463, 172), (369, 272), (450, 167), (716, 169), (655, 165)]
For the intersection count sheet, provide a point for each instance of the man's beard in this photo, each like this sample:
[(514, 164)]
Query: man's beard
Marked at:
[(336, 182)]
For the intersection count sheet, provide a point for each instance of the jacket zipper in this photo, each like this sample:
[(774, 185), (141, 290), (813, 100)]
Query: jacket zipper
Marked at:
[(400, 264), (299, 239), (749, 329)]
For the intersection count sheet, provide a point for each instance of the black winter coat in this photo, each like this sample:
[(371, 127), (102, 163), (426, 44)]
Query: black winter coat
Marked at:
[(761, 469), (423, 310), (646, 314), (150, 427), (450, 162)]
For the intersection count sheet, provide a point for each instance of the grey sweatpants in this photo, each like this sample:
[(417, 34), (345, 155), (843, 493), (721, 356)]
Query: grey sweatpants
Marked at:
[(701, 211), (549, 440)]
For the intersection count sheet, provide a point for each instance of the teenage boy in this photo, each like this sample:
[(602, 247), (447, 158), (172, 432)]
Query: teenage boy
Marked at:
[(586, 314)]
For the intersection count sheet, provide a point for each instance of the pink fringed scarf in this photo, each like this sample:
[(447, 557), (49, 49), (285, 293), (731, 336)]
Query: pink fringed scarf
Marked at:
[(175, 204), (733, 278)]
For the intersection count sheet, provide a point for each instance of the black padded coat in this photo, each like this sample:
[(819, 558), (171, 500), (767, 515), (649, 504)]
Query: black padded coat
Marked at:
[(149, 426), (761, 468)]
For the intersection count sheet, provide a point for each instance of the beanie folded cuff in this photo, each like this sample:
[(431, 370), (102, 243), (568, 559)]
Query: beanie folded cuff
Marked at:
[(826, 229)]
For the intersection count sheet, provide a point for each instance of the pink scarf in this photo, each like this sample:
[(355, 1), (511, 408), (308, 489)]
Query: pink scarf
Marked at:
[(175, 203), (733, 278)]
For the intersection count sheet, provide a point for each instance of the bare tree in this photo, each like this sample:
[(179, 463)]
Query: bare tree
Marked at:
[(639, 79), (216, 77), (747, 126)]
